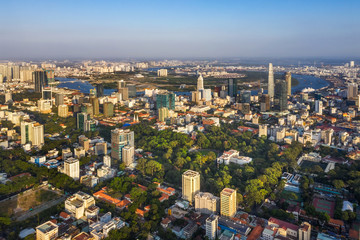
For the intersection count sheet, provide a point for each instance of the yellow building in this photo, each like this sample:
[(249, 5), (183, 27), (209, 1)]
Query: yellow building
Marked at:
[(228, 204), (47, 231), (190, 185)]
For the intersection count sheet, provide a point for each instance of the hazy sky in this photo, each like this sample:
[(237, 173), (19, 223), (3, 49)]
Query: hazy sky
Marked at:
[(179, 28)]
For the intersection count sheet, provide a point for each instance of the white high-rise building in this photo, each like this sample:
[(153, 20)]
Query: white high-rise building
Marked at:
[(206, 203), (352, 64), (162, 73), (32, 132), (128, 155), (228, 205), (319, 107), (200, 83), (212, 227), (271, 82), (263, 130), (72, 168), (190, 185), (107, 160), (352, 91), (63, 111)]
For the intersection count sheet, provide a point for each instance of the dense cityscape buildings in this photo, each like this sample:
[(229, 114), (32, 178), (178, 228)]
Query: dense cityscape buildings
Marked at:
[(214, 120)]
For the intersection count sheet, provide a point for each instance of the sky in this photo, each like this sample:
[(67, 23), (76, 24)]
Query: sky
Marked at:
[(144, 29)]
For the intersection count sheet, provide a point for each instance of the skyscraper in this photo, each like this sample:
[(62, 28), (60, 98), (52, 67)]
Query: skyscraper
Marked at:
[(95, 104), (212, 227), (271, 82), (319, 107), (280, 98), (32, 132), (59, 99), (81, 119), (63, 110), (128, 155), (123, 90), (200, 83), (99, 90), (288, 82), (232, 87), (190, 185), (131, 90), (165, 99), (119, 139), (72, 168), (108, 109), (163, 114), (47, 93), (228, 206), (40, 80), (352, 92)]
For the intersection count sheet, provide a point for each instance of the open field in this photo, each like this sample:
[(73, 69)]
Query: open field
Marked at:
[(21, 203)]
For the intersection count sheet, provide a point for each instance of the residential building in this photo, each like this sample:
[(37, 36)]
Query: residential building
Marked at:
[(77, 204), (32, 132), (162, 73), (305, 231), (63, 111), (47, 231), (165, 99), (190, 185), (228, 205), (211, 227), (206, 203), (119, 139), (271, 82), (72, 168), (128, 155), (288, 82)]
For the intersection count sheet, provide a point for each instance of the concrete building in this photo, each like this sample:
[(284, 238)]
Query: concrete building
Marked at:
[(190, 185), (271, 82), (228, 205), (352, 91), (163, 114), (206, 203), (263, 130), (162, 73), (119, 139), (288, 82), (72, 168), (128, 155), (319, 107), (200, 83), (211, 227), (63, 111), (101, 148), (47, 231), (107, 161), (77, 204), (79, 152), (32, 132), (305, 231)]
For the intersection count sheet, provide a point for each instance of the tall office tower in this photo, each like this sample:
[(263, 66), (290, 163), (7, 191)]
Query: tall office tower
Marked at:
[(128, 155), (206, 203), (190, 185), (40, 80), (352, 91), (131, 90), (107, 160), (263, 130), (99, 90), (121, 84), (165, 99), (162, 73), (265, 103), (288, 82), (119, 139), (72, 168), (304, 231), (319, 107), (50, 75), (280, 98), (81, 119), (228, 206), (232, 87), (63, 110), (59, 99), (212, 227), (32, 132), (94, 101), (352, 64), (47, 231), (163, 114), (200, 83), (16, 72), (108, 109), (245, 96), (271, 82), (47, 93)]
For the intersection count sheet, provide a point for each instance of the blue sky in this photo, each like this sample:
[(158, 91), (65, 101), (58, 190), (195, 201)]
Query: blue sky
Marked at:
[(179, 29)]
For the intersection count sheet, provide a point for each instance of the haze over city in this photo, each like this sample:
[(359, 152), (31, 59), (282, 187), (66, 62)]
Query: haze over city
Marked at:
[(179, 29)]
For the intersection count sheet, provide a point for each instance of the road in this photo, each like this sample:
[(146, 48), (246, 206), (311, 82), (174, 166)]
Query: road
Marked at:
[(41, 208)]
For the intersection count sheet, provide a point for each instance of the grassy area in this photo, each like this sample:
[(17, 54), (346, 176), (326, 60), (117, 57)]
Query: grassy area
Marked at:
[(23, 202)]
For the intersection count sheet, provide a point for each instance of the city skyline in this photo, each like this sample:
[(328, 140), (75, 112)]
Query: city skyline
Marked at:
[(179, 30)]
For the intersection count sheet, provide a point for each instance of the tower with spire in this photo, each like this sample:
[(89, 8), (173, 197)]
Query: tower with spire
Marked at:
[(200, 83)]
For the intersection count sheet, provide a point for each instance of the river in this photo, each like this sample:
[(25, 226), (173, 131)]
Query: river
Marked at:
[(305, 81)]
